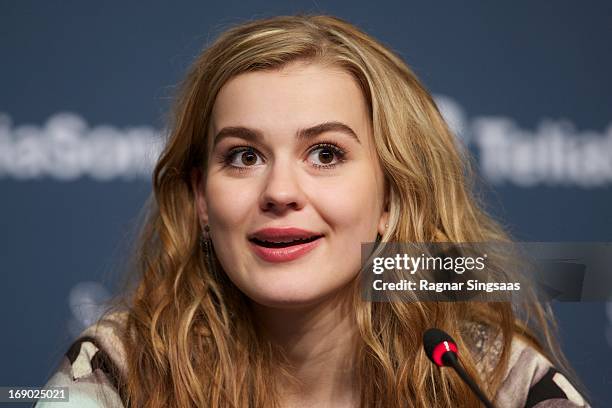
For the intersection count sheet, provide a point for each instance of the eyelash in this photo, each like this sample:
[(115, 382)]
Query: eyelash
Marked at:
[(340, 153)]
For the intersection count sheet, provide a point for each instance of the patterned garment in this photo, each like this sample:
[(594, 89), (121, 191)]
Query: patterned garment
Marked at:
[(95, 362)]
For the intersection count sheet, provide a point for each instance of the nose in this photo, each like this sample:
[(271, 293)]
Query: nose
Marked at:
[(282, 190)]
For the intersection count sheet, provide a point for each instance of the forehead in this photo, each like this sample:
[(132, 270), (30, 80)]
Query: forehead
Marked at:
[(296, 96)]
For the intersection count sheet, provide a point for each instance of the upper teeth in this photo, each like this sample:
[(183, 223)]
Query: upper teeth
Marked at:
[(285, 242)]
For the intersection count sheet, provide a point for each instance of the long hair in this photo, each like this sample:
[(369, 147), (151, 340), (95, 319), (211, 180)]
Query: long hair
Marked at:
[(190, 338)]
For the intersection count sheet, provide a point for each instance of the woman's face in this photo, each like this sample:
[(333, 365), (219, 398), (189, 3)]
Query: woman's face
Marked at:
[(293, 186)]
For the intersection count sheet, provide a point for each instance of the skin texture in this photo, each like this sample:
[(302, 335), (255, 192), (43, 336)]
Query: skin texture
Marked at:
[(298, 303)]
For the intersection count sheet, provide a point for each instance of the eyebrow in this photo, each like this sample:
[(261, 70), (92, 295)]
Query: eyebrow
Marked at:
[(302, 134)]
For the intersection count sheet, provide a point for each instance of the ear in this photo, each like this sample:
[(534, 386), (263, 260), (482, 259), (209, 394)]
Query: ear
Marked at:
[(198, 185), (384, 217), (383, 222)]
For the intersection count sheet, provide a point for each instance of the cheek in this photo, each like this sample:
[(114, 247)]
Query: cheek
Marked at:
[(228, 204), (350, 207), (350, 202), (355, 214)]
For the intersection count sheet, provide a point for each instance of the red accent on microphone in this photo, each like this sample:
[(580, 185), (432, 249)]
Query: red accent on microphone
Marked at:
[(442, 348)]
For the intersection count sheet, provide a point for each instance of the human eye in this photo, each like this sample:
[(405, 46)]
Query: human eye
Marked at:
[(242, 157), (326, 156)]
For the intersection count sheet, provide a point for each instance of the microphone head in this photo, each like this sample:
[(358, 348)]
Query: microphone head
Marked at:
[(437, 343)]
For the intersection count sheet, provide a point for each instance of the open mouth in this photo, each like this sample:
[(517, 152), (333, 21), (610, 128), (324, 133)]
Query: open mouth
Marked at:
[(285, 244)]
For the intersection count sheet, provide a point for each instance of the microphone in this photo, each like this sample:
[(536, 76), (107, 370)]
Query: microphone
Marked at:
[(442, 351)]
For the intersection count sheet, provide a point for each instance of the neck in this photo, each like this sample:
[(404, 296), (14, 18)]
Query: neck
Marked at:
[(319, 343)]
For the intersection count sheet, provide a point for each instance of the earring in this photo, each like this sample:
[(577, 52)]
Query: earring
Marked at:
[(206, 245), (204, 238)]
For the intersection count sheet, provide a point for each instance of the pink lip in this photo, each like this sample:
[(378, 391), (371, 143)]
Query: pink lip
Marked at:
[(284, 254)]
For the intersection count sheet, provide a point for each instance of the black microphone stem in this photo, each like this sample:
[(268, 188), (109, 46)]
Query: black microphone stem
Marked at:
[(451, 360)]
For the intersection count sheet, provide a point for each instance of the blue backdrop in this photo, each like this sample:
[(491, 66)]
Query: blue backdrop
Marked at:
[(84, 89)]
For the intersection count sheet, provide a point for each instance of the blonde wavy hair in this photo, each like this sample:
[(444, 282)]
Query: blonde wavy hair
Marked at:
[(190, 338)]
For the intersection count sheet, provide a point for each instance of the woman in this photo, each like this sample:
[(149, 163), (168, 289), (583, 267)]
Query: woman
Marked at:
[(294, 140)]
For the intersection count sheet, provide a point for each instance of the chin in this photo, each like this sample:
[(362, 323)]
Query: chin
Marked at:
[(288, 299)]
